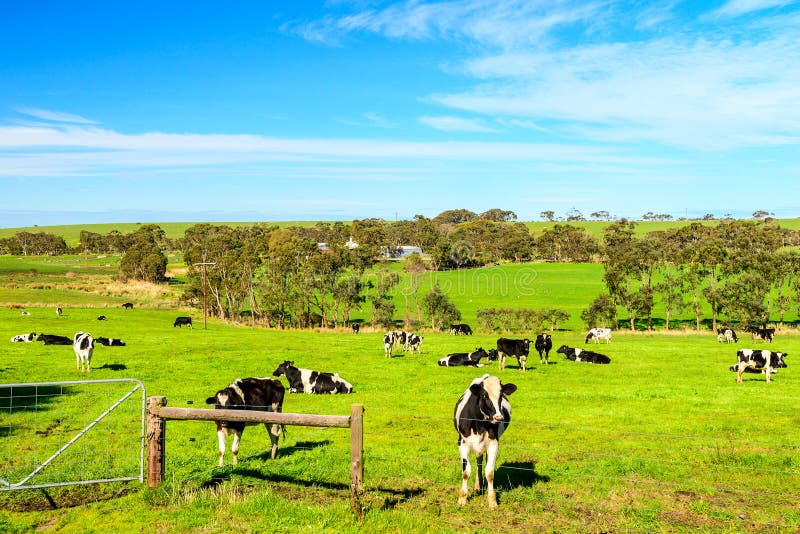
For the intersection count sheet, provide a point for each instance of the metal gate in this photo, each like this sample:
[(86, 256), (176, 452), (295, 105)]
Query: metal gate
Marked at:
[(75, 432)]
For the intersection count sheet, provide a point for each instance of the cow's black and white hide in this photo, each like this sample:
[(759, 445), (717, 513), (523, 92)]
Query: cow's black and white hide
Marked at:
[(460, 330), (458, 359), (597, 334), (413, 343), (727, 335), (59, 311), (356, 327), (543, 344), (101, 317), (764, 361), (24, 313), (83, 345), (388, 344), (482, 414), (308, 381), (581, 355), (52, 339), (24, 338), (262, 394), (110, 342), (518, 348), (763, 333), (180, 321)]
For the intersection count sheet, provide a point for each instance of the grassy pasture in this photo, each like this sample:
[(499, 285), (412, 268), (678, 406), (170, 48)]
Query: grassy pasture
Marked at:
[(663, 439)]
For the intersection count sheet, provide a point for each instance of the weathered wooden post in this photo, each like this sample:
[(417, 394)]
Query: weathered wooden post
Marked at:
[(156, 428), (356, 454)]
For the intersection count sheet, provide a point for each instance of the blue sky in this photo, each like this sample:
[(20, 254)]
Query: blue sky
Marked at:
[(337, 110)]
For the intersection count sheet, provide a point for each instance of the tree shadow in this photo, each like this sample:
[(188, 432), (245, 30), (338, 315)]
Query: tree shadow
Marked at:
[(113, 366)]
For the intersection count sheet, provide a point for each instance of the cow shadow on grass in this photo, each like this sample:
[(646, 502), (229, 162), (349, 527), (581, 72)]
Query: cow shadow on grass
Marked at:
[(512, 475), (112, 366)]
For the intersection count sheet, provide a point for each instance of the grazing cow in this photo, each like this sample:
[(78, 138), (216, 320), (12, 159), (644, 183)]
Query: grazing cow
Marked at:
[(308, 381), (513, 347), (180, 321), (24, 338), (101, 317), (759, 360), (727, 335), (83, 345), (543, 346), (388, 344), (24, 313), (128, 305), (110, 342), (356, 327), (460, 330), (763, 333), (59, 311), (481, 416), (413, 343), (457, 359), (597, 334), (261, 394), (581, 355), (49, 339)]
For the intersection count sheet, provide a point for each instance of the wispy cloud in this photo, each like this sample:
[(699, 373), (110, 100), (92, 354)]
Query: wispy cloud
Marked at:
[(455, 124), (735, 8), (54, 116)]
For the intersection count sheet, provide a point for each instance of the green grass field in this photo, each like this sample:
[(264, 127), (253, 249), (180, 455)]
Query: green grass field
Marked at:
[(662, 439)]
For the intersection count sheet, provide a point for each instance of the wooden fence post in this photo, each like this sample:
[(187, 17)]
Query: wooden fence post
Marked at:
[(156, 428), (356, 454)]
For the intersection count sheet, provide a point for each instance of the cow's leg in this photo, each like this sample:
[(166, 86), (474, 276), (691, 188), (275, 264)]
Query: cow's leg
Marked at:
[(739, 371), (274, 432), (221, 433), (501, 360), (767, 371), (479, 479), (523, 360), (466, 471), (237, 437), (491, 458)]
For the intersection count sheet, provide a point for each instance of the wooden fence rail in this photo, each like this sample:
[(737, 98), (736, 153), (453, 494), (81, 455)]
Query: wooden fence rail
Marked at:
[(158, 413)]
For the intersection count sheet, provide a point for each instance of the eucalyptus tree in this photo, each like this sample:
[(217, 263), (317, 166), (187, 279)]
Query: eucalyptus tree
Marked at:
[(566, 243), (439, 309)]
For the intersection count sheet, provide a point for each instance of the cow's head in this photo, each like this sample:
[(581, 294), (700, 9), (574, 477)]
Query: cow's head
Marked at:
[(562, 349), (491, 355), (283, 368), (479, 353), (490, 393), (778, 359)]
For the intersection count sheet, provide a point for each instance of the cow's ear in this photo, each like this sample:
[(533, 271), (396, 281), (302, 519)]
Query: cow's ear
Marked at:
[(508, 389), (476, 389), (211, 400)]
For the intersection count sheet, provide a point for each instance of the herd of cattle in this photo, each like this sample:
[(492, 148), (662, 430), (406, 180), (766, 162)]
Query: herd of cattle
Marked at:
[(482, 413)]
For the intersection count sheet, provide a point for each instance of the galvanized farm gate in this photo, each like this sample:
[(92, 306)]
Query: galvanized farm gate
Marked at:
[(55, 427)]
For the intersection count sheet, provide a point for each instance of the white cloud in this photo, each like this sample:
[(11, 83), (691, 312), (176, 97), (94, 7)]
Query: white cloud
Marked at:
[(455, 124), (54, 116), (735, 8)]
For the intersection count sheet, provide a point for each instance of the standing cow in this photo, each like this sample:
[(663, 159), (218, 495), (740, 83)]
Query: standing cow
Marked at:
[(596, 334), (180, 321), (83, 345), (308, 381), (759, 360), (543, 344), (727, 335), (263, 394), (481, 416), (513, 347)]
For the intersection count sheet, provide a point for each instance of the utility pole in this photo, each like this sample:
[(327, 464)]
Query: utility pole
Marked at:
[(205, 309)]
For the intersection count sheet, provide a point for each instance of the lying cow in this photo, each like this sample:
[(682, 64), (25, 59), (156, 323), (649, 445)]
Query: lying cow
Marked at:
[(262, 394), (482, 414), (581, 355), (308, 381), (596, 334), (83, 345), (460, 330), (101, 317), (544, 345), (110, 342), (458, 359), (50, 339), (180, 321), (513, 347), (727, 335), (763, 333), (759, 360), (24, 338)]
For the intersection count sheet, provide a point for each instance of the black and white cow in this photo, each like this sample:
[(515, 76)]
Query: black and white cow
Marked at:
[(180, 321), (51, 339), (101, 317), (581, 355), (388, 344), (460, 330), (544, 345), (356, 327), (24, 313), (597, 334), (413, 343), (481, 416), (458, 359), (59, 311), (513, 347), (110, 342), (262, 394), (128, 305), (24, 338), (759, 360), (308, 381), (83, 345), (763, 333), (726, 335)]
